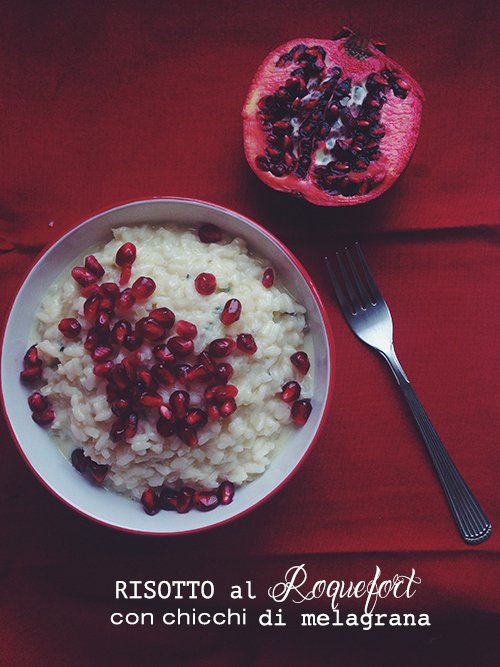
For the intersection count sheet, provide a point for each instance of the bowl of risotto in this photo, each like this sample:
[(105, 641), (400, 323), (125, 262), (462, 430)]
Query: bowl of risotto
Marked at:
[(167, 365)]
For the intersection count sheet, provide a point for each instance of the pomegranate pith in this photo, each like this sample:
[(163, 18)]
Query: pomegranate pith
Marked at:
[(334, 121)]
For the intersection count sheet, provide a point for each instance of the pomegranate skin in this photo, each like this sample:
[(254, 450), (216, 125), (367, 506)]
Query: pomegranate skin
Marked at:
[(399, 118)]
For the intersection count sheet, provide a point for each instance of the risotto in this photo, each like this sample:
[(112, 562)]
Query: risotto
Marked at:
[(192, 379)]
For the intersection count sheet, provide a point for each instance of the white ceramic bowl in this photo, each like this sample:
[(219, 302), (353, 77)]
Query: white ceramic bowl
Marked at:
[(35, 443)]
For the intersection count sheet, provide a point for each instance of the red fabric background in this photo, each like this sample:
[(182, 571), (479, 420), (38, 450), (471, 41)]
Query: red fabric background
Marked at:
[(109, 101)]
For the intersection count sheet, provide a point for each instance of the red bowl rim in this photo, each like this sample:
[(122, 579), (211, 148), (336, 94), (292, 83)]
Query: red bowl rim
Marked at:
[(326, 322)]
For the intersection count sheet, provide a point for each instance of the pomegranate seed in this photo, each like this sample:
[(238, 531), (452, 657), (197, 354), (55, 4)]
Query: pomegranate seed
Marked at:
[(231, 312), (205, 501), (187, 434), (133, 342), (125, 301), (167, 413), (91, 340), (120, 331), (112, 393), (210, 392), (205, 283), (301, 411), (213, 413), (209, 233), (79, 460), (222, 392), (149, 328), (223, 372), (268, 278), (37, 402), (301, 362), (93, 265), (185, 499), (118, 427), (150, 502), (131, 427), (102, 324), (198, 372), (119, 377), (111, 290), (205, 359), (107, 304), (225, 492), (181, 371), (31, 357), (83, 277), (130, 364), (98, 471), (125, 274), (165, 427), (168, 499), (31, 374), (143, 288), (146, 378), (150, 400), (164, 316), (221, 347), (228, 408), (121, 407), (126, 254), (162, 353), (162, 374), (246, 343), (186, 329), (102, 352), (180, 346), (90, 290), (91, 307), (196, 418), (103, 369), (290, 391), (179, 402), (44, 418)]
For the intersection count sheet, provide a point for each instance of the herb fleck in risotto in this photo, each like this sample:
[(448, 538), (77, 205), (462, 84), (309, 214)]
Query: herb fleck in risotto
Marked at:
[(171, 364)]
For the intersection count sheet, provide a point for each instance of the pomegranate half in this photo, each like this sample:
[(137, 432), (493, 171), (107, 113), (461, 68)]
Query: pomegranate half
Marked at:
[(334, 121)]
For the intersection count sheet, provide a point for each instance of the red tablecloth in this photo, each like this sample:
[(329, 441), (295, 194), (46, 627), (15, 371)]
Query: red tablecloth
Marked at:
[(109, 101)]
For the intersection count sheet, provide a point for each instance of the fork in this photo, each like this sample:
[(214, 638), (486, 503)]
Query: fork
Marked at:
[(368, 316)]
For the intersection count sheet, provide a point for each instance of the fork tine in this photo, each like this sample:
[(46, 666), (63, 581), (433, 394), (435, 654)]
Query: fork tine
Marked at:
[(339, 292), (362, 291), (368, 276), (348, 284)]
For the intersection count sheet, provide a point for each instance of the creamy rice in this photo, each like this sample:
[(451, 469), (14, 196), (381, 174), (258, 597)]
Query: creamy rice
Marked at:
[(236, 449)]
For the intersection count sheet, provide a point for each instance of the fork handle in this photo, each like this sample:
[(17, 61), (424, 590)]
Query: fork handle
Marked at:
[(471, 521)]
